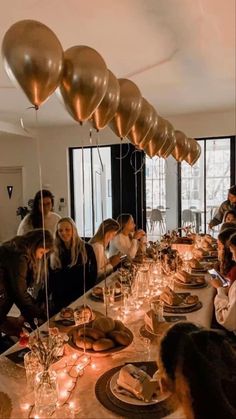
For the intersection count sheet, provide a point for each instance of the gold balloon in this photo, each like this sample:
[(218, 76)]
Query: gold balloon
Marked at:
[(181, 149), (143, 124), (168, 137), (33, 56), (151, 132), (109, 104), (193, 152), (156, 144), (128, 110), (84, 82)]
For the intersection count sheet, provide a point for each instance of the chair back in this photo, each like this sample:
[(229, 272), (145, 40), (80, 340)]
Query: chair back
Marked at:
[(187, 216), (156, 215)]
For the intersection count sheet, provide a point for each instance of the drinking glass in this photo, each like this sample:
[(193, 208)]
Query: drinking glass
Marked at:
[(32, 368)]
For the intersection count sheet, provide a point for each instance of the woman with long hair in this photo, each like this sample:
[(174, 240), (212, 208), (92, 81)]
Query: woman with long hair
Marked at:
[(41, 210), (127, 241), (199, 367), (225, 300), (227, 264), (73, 265), (100, 241), (22, 274)]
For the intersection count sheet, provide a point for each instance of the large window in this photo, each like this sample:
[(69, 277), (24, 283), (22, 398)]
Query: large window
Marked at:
[(155, 195), (204, 186), (91, 187)]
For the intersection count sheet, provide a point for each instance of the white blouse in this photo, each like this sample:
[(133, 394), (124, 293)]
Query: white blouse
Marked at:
[(225, 307), (104, 267), (124, 244), (50, 223)]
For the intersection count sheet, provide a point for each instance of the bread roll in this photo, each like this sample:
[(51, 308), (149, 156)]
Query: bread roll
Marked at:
[(119, 325), (97, 291), (67, 313), (91, 333), (200, 280), (183, 276), (191, 299), (120, 337), (195, 264), (106, 324), (103, 344), (84, 342), (170, 297)]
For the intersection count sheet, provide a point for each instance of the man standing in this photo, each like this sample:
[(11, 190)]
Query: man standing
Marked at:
[(229, 204)]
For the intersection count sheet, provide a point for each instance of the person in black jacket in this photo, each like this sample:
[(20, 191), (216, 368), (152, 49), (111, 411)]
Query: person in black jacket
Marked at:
[(73, 265), (21, 276)]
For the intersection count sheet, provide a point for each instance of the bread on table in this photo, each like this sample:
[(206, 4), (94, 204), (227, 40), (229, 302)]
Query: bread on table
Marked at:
[(191, 299), (199, 280), (194, 264), (137, 382), (151, 320), (67, 313), (106, 324), (169, 297), (183, 276)]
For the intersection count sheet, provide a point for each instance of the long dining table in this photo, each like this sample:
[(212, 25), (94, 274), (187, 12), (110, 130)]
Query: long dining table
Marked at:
[(13, 379)]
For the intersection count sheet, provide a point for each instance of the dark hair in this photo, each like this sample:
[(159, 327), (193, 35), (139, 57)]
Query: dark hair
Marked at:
[(203, 371), (232, 190), (227, 261), (230, 212), (232, 240), (227, 225), (123, 220), (30, 242), (35, 214)]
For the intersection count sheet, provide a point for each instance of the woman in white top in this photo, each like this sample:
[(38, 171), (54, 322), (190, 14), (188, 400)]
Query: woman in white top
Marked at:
[(127, 239), (225, 300), (35, 220), (105, 233)]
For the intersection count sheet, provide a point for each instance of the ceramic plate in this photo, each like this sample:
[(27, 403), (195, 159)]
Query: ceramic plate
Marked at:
[(132, 399)]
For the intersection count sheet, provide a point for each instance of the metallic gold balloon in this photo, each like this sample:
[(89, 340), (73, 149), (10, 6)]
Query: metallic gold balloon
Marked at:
[(181, 149), (193, 152), (157, 142), (151, 132), (84, 82), (33, 56), (109, 104), (128, 110), (168, 138), (143, 124)]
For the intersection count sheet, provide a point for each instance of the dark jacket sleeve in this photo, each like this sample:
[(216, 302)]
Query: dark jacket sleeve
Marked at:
[(218, 216), (17, 276)]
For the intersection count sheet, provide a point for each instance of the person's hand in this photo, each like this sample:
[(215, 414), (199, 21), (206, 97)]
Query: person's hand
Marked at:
[(139, 234), (114, 260), (210, 226), (216, 283)]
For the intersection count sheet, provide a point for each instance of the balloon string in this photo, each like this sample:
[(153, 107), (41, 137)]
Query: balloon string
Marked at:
[(120, 176), (43, 218), (136, 187), (103, 232), (142, 208), (131, 161), (126, 154), (22, 120)]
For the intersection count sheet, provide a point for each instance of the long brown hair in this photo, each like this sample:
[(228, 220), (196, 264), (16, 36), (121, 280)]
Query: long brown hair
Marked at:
[(201, 367), (227, 261), (106, 226)]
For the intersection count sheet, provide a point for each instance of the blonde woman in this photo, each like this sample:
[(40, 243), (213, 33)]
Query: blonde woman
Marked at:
[(100, 241), (73, 264)]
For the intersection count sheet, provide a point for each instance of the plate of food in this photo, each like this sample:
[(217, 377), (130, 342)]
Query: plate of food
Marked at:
[(187, 280), (84, 314), (175, 301), (134, 386), (101, 337), (97, 292)]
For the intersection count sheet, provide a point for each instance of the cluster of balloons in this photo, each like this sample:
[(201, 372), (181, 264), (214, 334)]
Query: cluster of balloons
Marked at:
[(33, 56)]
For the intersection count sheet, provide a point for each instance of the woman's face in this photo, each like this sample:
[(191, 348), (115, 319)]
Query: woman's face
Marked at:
[(230, 218), (47, 205), (232, 248), (65, 231), (110, 235), (220, 248), (130, 225), (40, 252)]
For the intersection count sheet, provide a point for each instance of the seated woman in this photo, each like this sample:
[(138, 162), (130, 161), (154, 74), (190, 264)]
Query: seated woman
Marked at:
[(73, 265), (100, 241), (127, 241), (21, 278), (35, 220), (200, 371), (227, 264), (225, 300)]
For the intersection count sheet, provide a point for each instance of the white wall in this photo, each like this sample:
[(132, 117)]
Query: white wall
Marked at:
[(54, 144)]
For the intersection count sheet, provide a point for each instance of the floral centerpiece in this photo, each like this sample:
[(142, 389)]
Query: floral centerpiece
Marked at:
[(46, 346)]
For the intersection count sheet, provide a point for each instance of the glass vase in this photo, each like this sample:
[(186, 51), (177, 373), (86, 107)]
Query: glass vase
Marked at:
[(45, 393)]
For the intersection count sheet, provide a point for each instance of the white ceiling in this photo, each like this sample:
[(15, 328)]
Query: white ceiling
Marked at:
[(180, 53)]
